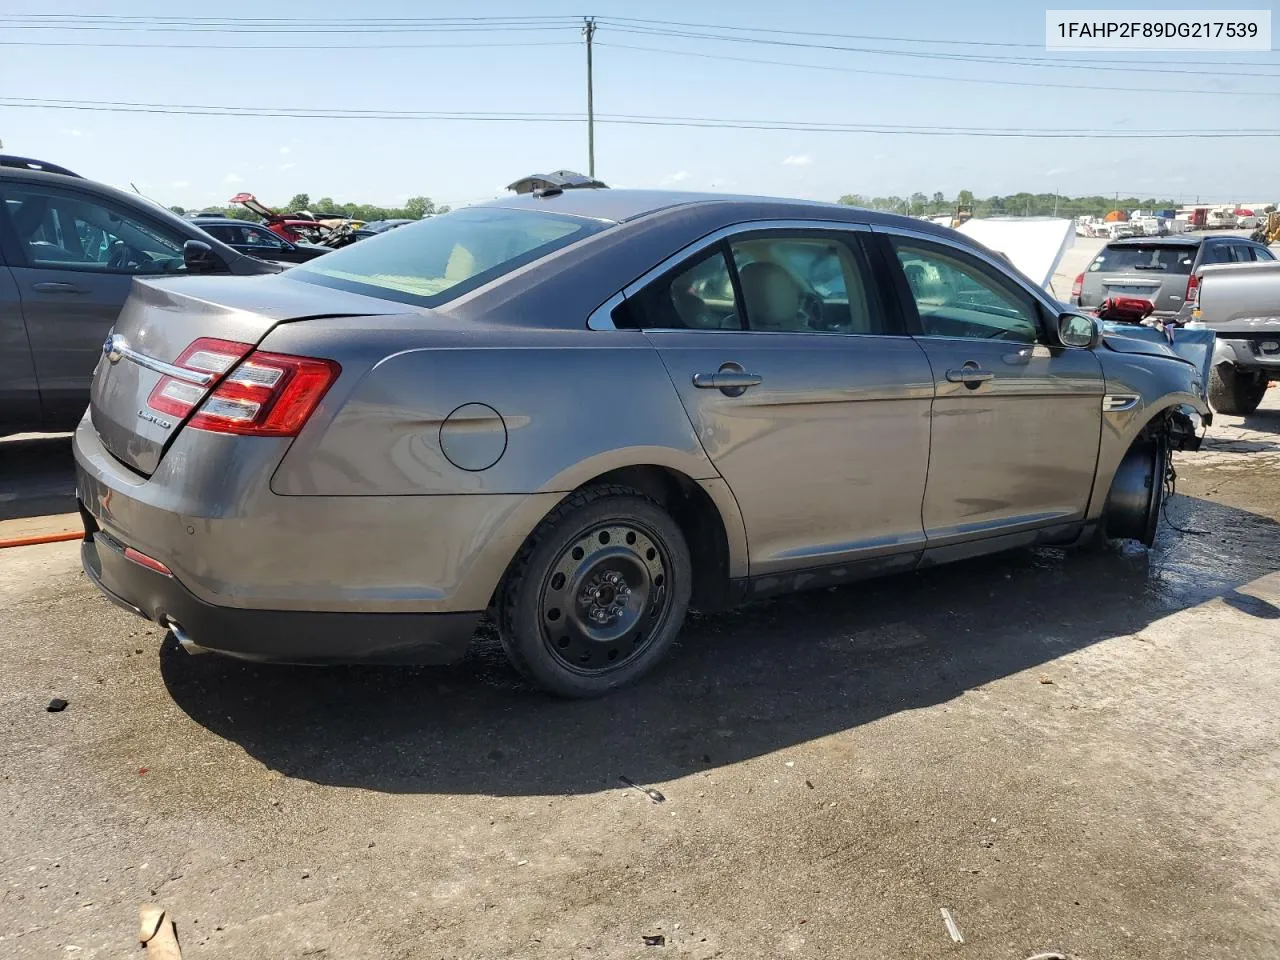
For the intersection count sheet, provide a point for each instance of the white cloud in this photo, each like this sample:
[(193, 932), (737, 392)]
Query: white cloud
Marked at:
[(287, 166), (284, 150), (797, 160), (233, 178), (180, 184), (678, 177), (70, 132), (1057, 171)]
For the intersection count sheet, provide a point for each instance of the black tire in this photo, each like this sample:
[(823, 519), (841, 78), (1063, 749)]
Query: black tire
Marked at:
[(597, 594), (1235, 393)]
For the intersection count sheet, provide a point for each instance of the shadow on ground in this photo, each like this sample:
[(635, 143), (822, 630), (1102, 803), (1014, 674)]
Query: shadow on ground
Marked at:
[(1267, 418), (37, 477), (740, 684)]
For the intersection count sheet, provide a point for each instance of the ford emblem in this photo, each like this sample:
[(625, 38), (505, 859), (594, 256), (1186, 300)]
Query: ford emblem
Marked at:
[(113, 349)]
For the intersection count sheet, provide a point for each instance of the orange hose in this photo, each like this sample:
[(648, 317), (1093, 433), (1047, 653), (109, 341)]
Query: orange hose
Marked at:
[(43, 538)]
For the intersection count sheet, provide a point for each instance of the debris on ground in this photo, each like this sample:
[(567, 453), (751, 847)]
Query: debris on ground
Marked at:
[(655, 940), (1051, 955), (1045, 678), (952, 929), (157, 933), (649, 792), (56, 705)]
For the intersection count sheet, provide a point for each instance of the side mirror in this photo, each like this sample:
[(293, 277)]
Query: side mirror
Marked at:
[(200, 258), (1077, 330)]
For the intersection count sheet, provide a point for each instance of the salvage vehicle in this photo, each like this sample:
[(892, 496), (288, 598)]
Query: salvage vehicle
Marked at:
[(582, 412), (1241, 304), (1163, 271), (302, 226), (255, 240), (69, 251)]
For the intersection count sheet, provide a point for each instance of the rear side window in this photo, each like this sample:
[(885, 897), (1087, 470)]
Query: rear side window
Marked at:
[(1219, 253), (435, 260), (1262, 253), (1144, 257)]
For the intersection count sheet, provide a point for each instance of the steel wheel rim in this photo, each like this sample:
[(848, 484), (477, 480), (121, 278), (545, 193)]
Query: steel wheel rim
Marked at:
[(606, 597)]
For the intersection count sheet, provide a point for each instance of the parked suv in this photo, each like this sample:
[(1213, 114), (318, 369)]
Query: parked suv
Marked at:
[(69, 250), (1162, 270)]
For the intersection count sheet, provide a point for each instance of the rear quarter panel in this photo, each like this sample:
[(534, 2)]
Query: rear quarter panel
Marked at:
[(566, 406)]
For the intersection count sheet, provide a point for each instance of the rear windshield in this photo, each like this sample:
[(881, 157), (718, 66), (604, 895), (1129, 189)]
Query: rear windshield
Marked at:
[(1142, 257), (440, 258)]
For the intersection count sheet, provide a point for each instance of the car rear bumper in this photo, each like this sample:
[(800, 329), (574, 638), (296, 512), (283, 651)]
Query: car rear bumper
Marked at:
[(292, 636)]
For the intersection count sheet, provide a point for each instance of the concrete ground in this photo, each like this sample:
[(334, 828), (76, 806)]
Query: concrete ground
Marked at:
[(1072, 752)]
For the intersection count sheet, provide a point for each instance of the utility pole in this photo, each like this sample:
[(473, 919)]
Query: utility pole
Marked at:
[(589, 31)]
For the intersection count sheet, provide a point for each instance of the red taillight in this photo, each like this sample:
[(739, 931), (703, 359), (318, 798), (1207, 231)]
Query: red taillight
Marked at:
[(206, 355), (268, 395), (1077, 285), (1193, 289)]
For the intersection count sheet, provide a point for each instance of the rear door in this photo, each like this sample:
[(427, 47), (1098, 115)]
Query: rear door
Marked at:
[(77, 254), (1016, 421), (812, 406), (19, 390)]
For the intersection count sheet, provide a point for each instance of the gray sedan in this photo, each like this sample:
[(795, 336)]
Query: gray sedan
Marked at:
[(584, 412)]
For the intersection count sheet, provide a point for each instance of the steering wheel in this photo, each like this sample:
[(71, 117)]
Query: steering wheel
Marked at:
[(120, 256)]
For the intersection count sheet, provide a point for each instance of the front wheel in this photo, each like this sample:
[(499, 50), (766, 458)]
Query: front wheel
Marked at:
[(1234, 392), (597, 595)]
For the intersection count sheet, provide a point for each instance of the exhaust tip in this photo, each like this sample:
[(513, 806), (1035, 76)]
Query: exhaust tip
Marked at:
[(187, 644)]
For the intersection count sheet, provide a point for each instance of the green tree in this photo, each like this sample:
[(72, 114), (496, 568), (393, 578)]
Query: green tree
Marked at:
[(918, 202), (853, 200), (300, 201), (325, 204), (965, 198), (180, 211)]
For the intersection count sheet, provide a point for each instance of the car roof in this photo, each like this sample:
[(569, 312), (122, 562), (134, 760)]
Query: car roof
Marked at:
[(624, 205), (232, 221)]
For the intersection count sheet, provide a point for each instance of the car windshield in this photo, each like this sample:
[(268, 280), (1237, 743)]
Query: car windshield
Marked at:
[(1160, 258), (435, 260)]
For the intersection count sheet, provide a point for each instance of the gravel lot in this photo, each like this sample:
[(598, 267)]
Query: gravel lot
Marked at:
[(1073, 752)]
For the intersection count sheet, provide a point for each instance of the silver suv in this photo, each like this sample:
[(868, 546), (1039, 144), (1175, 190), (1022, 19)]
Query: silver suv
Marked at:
[(1162, 270)]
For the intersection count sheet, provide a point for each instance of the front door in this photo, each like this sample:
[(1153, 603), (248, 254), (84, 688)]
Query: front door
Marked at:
[(814, 410), (77, 256), (19, 390), (1016, 421)]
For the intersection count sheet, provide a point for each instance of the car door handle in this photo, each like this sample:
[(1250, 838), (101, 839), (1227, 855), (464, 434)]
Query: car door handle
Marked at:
[(726, 380), (970, 375), (55, 286)]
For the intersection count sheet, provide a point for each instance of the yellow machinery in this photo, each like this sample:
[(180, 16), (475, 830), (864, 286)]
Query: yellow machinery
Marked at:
[(1269, 230)]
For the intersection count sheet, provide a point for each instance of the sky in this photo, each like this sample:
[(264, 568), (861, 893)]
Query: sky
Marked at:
[(532, 74)]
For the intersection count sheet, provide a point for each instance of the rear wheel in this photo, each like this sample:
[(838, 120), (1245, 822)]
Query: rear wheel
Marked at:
[(1234, 392), (598, 593)]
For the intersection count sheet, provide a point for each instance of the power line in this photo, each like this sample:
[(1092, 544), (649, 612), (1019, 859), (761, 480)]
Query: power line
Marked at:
[(292, 46), (619, 119), (922, 55), (863, 36), (927, 76)]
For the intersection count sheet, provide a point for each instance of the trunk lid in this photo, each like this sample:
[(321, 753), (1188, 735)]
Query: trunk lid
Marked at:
[(162, 318), (1153, 270)]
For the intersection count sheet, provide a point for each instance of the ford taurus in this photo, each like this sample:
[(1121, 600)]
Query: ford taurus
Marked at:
[(584, 412)]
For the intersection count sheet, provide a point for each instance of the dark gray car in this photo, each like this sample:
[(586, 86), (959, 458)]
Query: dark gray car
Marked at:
[(69, 250), (1159, 269), (585, 412)]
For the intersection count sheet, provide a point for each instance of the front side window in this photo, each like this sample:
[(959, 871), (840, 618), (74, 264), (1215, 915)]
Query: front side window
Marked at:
[(260, 237), (437, 259), (956, 296), (68, 230)]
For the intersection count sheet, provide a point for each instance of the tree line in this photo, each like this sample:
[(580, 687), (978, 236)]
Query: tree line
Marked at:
[(1015, 204), (415, 208)]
